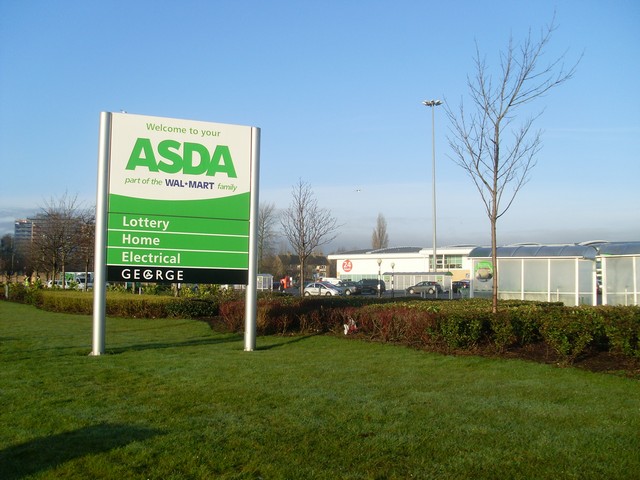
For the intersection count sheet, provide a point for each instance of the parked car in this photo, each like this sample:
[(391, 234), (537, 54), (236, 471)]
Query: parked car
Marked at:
[(460, 285), (370, 285), (320, 288), (334, 286), (350, 288), (425, 287)]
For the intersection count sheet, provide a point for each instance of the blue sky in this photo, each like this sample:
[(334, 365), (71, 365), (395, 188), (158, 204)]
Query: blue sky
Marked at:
[(336, 88)]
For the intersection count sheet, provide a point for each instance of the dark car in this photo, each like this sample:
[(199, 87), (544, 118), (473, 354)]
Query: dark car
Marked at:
[(460, 285), (370, 285), (425, 287)]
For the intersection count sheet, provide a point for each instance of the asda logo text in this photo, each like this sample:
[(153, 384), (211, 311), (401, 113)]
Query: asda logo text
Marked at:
[(189, 158)]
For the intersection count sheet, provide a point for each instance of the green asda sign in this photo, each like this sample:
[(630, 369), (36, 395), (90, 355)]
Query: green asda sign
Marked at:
[(178, 200)]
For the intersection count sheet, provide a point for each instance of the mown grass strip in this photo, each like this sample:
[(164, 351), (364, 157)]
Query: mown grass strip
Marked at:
[(172, 399)]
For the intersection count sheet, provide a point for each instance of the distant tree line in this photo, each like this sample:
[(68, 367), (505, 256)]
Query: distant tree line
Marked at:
[(61, 240)]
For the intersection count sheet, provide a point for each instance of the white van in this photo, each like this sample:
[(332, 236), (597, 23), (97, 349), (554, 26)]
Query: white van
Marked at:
[(331, 280), (80, 283)]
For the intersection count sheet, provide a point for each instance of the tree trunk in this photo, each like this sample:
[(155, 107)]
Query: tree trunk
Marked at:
[(494, 264), (494, 217), (86, 275)]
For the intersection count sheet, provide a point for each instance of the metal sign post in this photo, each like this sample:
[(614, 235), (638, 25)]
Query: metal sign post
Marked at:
[(100, 261)]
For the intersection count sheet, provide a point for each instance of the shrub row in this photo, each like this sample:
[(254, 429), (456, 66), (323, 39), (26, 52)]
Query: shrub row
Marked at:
[(118, 304), (18, 292), (464, 324), (449, 325)]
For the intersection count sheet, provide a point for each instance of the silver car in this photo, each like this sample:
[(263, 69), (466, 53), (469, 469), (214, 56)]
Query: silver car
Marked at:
[(425, 287), (320, 288)]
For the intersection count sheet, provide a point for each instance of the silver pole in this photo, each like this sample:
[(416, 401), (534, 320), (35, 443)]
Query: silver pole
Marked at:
[(393, 276), (433, 177), (433, 104), (100, 254), (251, 300)]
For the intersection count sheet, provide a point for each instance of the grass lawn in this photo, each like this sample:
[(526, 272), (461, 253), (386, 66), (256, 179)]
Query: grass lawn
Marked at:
[(172, 399)]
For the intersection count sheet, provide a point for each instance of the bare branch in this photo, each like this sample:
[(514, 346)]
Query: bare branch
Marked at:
[(267, 217), (495, 153), (305, 225)]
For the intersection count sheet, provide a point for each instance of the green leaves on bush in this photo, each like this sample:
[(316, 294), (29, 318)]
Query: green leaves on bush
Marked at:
[(461, 331), (622, 329), (120, 304), (570, 330), (20, 293)]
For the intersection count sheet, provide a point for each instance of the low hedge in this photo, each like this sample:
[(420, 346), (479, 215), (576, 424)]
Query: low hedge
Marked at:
[(118, 304), (453, 326), (18, 292), (622, 329), (428, 324)]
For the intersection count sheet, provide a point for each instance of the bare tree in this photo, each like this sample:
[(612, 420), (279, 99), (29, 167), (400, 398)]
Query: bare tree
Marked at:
[(56, 235), (86, 241), (266, 234), (7, 256), (498, 155), (380, 238), (306, 225)]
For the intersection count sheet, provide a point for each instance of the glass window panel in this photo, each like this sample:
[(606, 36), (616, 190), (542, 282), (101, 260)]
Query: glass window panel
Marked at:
[(619, 274), (563, 276), (509, 276), (453, 261), (535, 276), (586, 276)]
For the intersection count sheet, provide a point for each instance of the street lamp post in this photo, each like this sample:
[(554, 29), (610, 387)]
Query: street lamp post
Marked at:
[(433, 104), (393, 275), (379, 289)]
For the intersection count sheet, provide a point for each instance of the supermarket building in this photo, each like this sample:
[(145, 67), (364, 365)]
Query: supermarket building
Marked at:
[(588, 273)]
